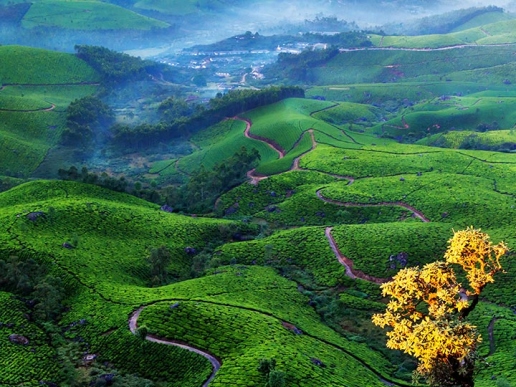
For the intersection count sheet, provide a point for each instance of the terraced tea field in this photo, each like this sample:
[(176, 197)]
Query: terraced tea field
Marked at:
[(368, 177), (37, 87), (86, 15)]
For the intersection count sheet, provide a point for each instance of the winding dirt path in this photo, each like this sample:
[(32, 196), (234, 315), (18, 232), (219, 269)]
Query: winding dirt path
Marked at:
[(255, 177), (133, 319), (133, 325), (295, 164), (270, 143), (417, 213), (52, 107), (252, 175), (348, 263)]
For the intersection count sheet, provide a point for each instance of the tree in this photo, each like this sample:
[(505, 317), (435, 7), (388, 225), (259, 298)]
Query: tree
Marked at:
[(49, 294), (159, 259), (428, 308)]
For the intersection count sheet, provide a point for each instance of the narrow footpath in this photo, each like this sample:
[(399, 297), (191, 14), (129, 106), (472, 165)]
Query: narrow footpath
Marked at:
[(418, 214), (133, 326), (348, 263)]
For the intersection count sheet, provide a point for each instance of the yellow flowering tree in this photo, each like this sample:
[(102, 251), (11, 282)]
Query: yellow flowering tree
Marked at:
[(428, 308)]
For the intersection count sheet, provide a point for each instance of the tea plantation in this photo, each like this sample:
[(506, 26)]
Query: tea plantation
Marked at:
[(393, 148), (36, 88), (86, 15)]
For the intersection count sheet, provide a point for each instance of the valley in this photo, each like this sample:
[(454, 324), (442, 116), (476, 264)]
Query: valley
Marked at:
[(226, 214)]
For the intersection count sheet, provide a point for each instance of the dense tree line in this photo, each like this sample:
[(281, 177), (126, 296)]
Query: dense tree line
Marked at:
[(323, 23), (250, 41), (85, 117), (174, 108), (116, 67), (30, 280), (199, 192), (102, 180), (203, 187), (223, 106)]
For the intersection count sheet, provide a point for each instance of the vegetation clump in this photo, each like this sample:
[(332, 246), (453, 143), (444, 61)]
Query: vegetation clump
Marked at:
[(428, 308)]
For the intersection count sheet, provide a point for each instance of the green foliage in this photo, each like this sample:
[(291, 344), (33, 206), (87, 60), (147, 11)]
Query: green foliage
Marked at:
[(114, 66), (496, 140), (297, 67), (158, 259), (461, 19), (205, 186), (276, 379), (37, 93), (173, 108), (377, 66), (303, 250), (85, 117), (83, 176), (219, 143)]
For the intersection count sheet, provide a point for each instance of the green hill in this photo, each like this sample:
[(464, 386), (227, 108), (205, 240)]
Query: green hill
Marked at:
[(37, 87), (32, 66), (483, 30), (377, 66), (111, 234), (86, 15), (391, 151)]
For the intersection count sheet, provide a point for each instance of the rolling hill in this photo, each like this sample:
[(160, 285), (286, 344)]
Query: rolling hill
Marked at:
[(393, 149), (36, 88)]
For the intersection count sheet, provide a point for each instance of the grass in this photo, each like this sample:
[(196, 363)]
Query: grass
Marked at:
[(304, 248), (303, 146), (236, 308), (86, 15), (469, 139), (242, 348), (483, 19), (486, 29), (110, 282), (450, 113), (354, 242)]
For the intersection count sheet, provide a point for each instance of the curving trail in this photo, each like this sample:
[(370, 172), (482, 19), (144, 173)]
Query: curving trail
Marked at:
[(52, 107), (348, 263), (255, 177), (248, 134), (217, 364), (295, 164), (133, 324), (417, 213)]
